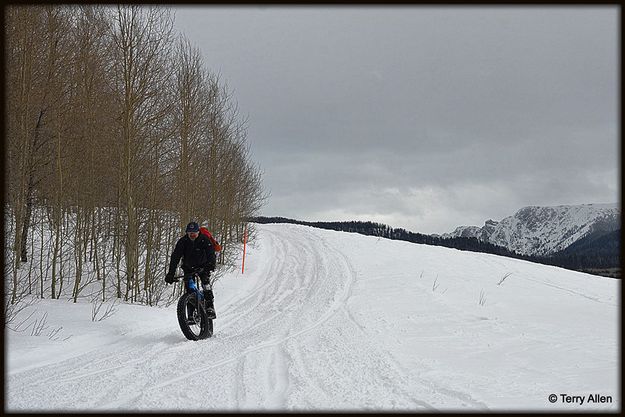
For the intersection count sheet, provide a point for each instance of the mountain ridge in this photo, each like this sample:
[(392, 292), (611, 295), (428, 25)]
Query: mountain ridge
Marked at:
[(544, 230)]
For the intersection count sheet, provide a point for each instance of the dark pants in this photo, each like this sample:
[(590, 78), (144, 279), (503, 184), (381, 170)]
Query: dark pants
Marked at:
[(208, 293)]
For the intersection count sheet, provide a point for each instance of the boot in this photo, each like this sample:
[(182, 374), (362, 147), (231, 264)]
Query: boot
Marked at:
[(208, 302)]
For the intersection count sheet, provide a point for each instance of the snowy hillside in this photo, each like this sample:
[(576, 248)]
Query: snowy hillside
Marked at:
[(544, 230), (325, 320)]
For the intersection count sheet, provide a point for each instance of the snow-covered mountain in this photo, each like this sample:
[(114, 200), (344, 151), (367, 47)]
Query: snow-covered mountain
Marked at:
[(333, 321), (538, 230)]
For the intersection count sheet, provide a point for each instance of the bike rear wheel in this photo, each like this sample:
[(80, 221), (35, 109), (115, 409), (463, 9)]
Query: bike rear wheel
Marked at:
[(192, 318)]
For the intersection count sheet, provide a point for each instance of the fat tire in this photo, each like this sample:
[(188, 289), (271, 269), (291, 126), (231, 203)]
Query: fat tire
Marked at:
[(206, 324)]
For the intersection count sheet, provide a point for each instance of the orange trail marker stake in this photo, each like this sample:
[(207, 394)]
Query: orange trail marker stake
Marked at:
[(244, 245)]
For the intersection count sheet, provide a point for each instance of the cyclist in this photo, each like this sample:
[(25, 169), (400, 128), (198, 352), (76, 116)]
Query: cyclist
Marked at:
[(196, 251)]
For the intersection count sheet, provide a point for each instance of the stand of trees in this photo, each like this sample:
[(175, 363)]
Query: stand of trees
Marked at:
[(599, 254), (116, 136)]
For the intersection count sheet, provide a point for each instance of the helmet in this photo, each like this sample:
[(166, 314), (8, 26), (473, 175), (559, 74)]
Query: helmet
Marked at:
[(193, 227)]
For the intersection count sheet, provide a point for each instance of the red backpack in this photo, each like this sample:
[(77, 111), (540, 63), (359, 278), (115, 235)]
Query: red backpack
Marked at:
[(210, 237)]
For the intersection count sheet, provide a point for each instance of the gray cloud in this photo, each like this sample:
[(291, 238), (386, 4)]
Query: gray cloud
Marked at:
[(421, 117)]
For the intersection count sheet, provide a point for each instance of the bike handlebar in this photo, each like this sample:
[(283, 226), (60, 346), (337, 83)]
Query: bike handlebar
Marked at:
[(193, 271)]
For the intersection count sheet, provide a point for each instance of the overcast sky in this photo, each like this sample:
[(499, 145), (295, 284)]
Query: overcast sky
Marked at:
[(421, 117)]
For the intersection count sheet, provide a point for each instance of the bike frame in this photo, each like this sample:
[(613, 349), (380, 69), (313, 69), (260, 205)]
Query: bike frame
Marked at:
[(197, 281)]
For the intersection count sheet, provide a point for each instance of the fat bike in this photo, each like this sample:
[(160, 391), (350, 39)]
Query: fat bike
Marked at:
[(191, 310)]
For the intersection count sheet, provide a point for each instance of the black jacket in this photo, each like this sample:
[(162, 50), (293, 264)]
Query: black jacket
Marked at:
[(194, 253)]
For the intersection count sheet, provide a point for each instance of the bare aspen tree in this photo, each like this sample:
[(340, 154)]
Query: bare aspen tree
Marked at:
[(54, 37), (191, 103), (141, 36), (36, 38), (90, 107), (233, 183), (22, 54), (44, 252)]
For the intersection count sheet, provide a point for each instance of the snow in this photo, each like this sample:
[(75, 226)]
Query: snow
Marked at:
[(335, 321), (535, 230)]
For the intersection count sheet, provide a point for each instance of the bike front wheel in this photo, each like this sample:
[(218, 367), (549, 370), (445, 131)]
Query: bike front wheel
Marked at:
[(192, 318)]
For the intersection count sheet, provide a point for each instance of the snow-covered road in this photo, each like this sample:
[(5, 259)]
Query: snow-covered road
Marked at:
[(325, 320)]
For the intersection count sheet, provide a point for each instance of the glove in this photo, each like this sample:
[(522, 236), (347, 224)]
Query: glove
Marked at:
[(169, 278)]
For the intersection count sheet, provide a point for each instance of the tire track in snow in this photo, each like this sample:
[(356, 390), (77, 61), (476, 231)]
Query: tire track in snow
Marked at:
[(239, 396), (548, 284), (246, 305), (316, 284), (340, 266), (277, 376), (399, 374)]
